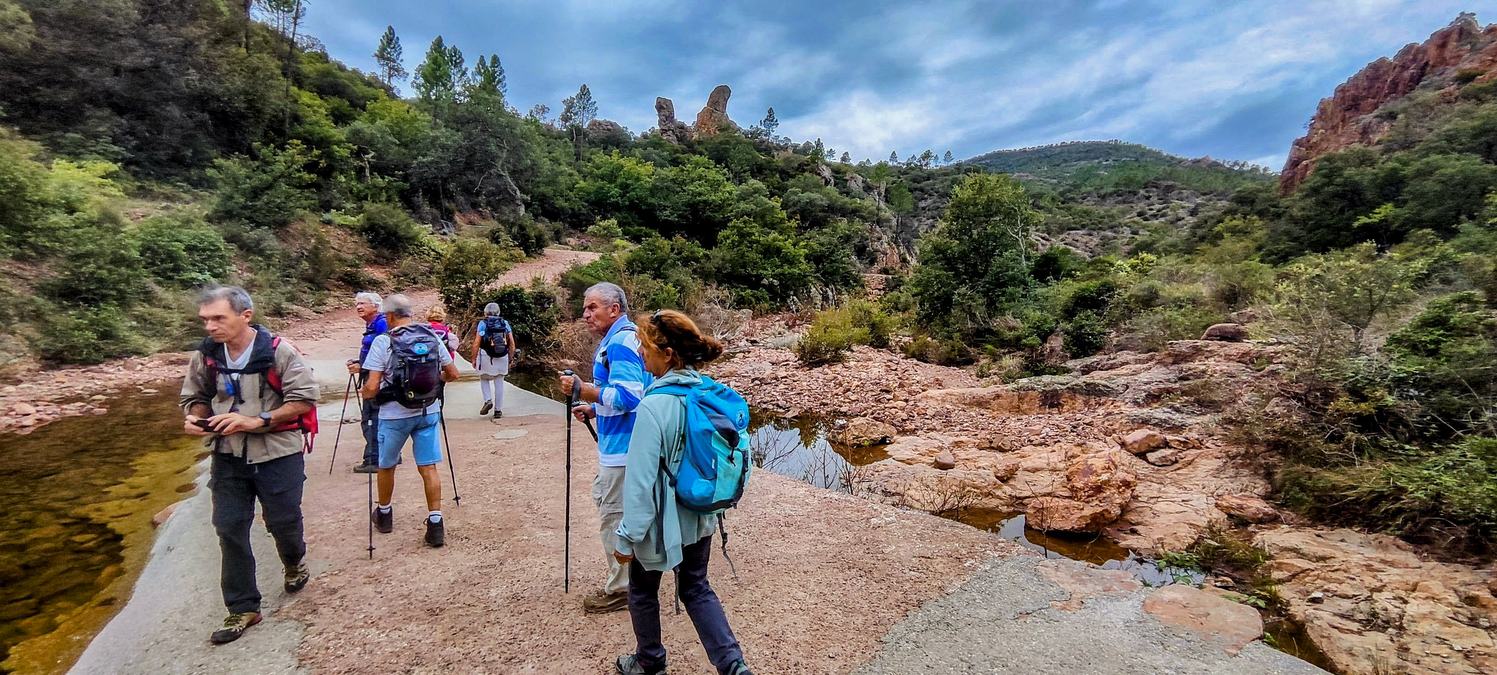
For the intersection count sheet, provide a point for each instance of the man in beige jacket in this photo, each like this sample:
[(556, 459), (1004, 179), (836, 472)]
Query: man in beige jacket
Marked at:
[(245, 392)]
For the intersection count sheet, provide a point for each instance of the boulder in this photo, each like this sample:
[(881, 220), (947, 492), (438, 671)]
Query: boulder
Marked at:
[(1143, 441), (1226, 332), (713, 117), (865, 431), (23, 409), (1101, 479), (1225, 622), (602, 129), (825, 173), (1164, 457), (855, 183), (1059, 514), (1247, 508), (944, 460)]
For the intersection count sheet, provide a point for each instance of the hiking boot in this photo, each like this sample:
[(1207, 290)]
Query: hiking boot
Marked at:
[(629, 665), (384, 521), (498, 414), (436, 533), (603, 603), (738, 668), (366, 468), (297, 576), (487, 406), (234, 627)]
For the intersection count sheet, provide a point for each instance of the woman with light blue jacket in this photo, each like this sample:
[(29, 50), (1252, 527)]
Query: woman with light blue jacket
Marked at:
[(657, 534)]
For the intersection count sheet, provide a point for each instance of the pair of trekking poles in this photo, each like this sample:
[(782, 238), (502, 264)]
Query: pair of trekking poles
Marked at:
[(457, 498)]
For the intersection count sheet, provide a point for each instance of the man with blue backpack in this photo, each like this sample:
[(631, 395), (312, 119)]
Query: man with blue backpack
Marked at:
[(407, 367), (619, 381), (688, 461)]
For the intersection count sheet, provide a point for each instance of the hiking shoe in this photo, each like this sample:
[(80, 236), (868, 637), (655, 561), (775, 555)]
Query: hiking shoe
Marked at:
[(297, 576), (738, 668), (366, 468), (603, 603), (234, 627), (487, 406), (629, 665), (384, 521), (436, 533), (498, 414)]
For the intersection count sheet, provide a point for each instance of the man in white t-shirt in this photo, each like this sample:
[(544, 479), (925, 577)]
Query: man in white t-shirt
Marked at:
[(410, 408)]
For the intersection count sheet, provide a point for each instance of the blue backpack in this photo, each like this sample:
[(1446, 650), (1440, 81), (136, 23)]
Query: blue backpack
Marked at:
[(715, 459)]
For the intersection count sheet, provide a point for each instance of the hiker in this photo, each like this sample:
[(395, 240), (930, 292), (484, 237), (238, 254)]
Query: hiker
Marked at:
[(407, 367), (619, 380), (436, 318), (493, 353), (244, 392), (657, 534), (366, 305)]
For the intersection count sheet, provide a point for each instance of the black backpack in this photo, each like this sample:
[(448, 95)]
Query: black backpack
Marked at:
[(492, 342), (414, 378)]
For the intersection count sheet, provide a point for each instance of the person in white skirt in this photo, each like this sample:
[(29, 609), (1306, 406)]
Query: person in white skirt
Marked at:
[(492, 353)]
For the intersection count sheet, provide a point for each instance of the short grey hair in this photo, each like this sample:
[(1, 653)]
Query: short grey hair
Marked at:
[(398, 305), (491, 309), (609, 292), (239, 299), (368, 296)]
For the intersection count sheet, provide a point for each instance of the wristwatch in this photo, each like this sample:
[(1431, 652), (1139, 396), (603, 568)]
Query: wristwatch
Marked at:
[(265, 417)]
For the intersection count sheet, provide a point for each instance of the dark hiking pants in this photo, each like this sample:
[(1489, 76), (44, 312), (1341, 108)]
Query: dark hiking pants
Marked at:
[(235, 485), (369, 417), (701, 604)]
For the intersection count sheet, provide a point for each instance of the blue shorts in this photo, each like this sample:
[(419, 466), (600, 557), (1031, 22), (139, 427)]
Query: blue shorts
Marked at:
[(421, 429)]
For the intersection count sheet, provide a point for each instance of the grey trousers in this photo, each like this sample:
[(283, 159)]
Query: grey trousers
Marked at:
[(608, 494)]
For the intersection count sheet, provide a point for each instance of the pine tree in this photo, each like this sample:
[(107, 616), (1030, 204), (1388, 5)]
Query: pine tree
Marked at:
[(389, 55), (433, 80), (846, 158), (576, 112), (947, 158), (769, 123), (488, 78), (893, 156)]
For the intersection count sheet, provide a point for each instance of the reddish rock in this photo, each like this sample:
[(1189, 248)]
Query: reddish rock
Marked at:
[(1143, 441), (1247, 508), (1226, 332), (865, 431), (944, 460), (714, 116), (1058, 514), (1217, 618), (1348, 117), (1101, 479), (1165, 457), (23, 409)]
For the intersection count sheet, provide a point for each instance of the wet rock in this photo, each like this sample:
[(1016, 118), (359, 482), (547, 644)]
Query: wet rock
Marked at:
[(1165, 457), (1226, 332), (1143, 441), (1060, 514), (944, 461), (865, 431), (1226, 622), (1247, 508)]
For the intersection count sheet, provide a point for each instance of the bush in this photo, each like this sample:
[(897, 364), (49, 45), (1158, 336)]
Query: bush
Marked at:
[(389, 229), (829, 339), (942, 352), (466, 272), (1085, 334), (266, 193), (1442, 359), (102, 268), (89, 335), (182, 250), (528, 234), (876, 325)]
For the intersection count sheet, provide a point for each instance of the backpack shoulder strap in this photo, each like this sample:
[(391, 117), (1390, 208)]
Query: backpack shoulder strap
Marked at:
[(273, 375)]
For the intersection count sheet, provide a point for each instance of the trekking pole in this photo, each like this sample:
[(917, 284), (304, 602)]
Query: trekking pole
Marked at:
[(339, 434), (576, 387), (442, 417), (371, 515), (566, 565)]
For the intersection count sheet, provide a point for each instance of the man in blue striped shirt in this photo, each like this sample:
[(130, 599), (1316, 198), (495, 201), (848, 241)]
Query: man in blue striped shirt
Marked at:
[(619, 381)]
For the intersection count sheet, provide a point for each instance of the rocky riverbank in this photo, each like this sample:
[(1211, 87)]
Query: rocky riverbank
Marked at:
[(1132, 445)]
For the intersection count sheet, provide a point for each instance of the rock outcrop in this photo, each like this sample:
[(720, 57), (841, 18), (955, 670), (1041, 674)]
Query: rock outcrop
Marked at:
[(666, 124), (1461, 52), (1229, 624), (1372, 605), (713, 117)]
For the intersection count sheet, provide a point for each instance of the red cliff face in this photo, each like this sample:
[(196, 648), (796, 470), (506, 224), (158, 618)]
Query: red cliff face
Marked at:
[(1347, 119)]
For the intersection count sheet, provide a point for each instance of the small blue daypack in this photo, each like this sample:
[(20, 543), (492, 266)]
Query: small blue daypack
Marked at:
[(715, 459)]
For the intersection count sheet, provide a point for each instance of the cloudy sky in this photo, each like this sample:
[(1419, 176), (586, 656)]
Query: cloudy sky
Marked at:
[(1235, 79)]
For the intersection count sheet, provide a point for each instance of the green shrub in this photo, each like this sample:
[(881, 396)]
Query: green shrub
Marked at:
[(528, 234), (102, 267), (1157, 327), (89, 335), (943, 352), (466, 272), (268, 192), (1085, 334), (181, 250), (389, 229), (829, 339), (1443, 360), (877, 326)]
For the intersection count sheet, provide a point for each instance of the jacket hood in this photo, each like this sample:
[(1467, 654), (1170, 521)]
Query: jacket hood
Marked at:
[(682, 376)]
